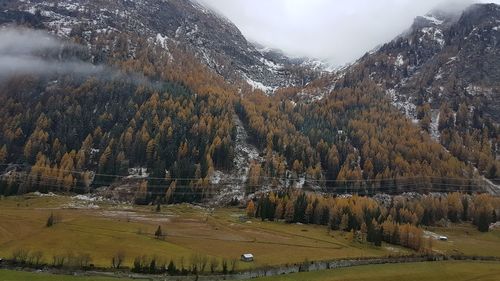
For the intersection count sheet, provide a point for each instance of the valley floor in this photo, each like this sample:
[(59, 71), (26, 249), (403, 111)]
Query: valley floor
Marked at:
[(101, 229)]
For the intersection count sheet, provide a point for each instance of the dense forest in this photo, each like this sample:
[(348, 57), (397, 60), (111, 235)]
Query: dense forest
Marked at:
[(352, 140), (78, 132), (167, 112)]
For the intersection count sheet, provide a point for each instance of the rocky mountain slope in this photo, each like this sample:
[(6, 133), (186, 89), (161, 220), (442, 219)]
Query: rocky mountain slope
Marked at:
[(215, 40), (444, 58), (443, 73)]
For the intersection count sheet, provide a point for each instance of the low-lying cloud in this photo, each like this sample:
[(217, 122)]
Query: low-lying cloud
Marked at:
[(27, 51)]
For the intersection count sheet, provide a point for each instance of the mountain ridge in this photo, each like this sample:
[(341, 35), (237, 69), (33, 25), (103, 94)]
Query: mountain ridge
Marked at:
[(214, 39)]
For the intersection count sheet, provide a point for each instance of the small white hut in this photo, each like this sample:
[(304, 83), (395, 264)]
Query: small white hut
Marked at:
[(247, 257)]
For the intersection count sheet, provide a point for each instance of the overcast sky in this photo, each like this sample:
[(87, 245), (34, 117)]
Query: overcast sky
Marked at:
[(337, 30)]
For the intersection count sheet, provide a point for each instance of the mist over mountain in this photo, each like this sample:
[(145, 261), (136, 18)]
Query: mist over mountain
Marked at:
[(336, 31), (26, 51)]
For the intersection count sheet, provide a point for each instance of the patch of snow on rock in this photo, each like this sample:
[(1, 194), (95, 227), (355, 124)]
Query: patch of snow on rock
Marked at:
[(401, 102), (270, 64), (434, 128), (50, 194), (399, 61), (216, 177), (433, 19), (434, 34), (137, 173), (86, 197), (300, 183), (259, 86), (477, 90), (161, 40), (439, 75)]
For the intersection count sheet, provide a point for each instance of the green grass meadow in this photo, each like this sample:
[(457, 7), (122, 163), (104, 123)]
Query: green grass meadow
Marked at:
[(425, 271)]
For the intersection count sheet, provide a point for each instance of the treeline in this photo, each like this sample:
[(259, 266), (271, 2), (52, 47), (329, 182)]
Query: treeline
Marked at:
[(398, 221), (196, 264), (36, 259)]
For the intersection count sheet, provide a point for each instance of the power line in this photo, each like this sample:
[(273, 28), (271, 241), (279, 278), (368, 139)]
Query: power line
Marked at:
[(363, 186), (209, 190), (397, 182), (259, 177)]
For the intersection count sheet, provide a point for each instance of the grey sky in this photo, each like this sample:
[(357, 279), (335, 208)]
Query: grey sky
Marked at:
[(337, 30)]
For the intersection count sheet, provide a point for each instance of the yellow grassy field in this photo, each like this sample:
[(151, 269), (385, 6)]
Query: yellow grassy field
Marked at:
[(102, 229)]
